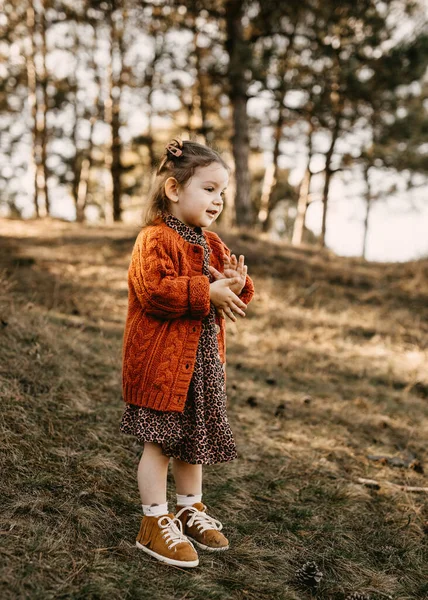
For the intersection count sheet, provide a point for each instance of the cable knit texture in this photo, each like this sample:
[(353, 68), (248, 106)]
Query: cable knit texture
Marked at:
[(168, 296)]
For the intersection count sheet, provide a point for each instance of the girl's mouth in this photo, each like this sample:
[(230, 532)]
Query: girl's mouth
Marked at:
[(212, 212)]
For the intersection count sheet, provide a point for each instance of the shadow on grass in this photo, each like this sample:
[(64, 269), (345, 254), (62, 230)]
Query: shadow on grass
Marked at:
[(70, 502)]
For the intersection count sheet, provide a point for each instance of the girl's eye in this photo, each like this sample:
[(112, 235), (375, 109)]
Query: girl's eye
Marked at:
[(211, 189)]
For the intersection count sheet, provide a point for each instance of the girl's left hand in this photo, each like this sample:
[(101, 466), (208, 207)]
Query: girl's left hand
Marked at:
[(232, 268)]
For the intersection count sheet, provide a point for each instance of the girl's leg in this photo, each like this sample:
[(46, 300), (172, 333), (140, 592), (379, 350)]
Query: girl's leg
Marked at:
[(152, 474), (152, 480), (187, 477), (188, 483)]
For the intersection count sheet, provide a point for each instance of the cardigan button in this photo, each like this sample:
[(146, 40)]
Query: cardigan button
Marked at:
[(217, 328), (195, 249)]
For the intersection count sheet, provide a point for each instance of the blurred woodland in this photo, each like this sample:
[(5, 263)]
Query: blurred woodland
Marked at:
[(92, 90)]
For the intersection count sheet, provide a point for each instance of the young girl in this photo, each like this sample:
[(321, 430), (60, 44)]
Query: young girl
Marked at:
[(182, 283)]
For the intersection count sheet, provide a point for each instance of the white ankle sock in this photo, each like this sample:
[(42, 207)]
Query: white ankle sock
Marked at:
[(188, 500), (154, 510)]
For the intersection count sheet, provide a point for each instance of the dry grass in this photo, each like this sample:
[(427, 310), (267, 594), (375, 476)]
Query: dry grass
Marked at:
[(328, 367)]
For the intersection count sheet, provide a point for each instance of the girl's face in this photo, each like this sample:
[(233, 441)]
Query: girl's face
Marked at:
[(200, 201)]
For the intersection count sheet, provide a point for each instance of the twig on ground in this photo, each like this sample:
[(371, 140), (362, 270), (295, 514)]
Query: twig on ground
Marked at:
[(377, 485)]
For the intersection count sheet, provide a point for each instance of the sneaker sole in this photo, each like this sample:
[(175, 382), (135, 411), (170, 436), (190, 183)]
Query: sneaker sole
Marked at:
[(169, 561), (204, 547)]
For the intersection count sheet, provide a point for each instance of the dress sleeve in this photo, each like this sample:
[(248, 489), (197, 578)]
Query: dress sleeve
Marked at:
[(157, 285), (247, 291)]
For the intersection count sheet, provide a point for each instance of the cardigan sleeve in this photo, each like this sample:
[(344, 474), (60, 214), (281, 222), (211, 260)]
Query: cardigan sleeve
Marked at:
[(159, 288), (247, 291)]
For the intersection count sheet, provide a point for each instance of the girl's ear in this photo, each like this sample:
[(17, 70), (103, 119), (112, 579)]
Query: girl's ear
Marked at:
[(171, 189)]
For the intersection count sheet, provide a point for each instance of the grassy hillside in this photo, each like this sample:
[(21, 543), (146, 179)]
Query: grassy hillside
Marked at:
[(328, 368)]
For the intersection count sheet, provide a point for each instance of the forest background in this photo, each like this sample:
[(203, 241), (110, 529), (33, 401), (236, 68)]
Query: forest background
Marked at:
[(321, 107)]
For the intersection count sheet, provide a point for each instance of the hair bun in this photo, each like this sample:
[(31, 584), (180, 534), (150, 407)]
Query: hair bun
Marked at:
[(174, 147)]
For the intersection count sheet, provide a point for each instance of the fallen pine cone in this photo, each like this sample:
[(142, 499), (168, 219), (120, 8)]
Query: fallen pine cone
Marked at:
[(309, 574)]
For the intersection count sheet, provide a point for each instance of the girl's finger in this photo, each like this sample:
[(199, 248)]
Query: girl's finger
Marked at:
[(241, 262), (238, 310), (215, 272), (235, 300), (230, 314)]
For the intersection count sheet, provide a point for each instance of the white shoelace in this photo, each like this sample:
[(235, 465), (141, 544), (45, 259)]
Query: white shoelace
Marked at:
[(201, 519), (173, 535)]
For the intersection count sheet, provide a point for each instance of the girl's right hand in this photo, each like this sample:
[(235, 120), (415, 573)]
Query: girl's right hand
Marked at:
[(224, 299)]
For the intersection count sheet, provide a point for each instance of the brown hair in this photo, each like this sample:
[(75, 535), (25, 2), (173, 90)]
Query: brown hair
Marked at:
[(180, 160)]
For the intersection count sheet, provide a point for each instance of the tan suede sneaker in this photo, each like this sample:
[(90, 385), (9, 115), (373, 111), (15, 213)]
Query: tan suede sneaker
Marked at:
[(200, 528), (162, 537)]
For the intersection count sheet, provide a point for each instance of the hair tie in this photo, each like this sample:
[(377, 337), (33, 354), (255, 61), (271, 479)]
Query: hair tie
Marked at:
[(173, 149)]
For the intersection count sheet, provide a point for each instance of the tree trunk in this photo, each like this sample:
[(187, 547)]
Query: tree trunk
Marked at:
[(302, 206), (369, 199), (201, 87), (239, 62), (303, 201), (108, 179), (116, 165), (38, 110), (151, 84), (32, 100), (117, 143), (86, 164), (267, 187), (266, 202), (74, 86), (328, 176), (188, 101), (43, 171), (113, 110), (150, 145)]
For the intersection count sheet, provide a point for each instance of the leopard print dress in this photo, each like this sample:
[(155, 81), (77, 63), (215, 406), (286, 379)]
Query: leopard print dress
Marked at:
[(201, 434)]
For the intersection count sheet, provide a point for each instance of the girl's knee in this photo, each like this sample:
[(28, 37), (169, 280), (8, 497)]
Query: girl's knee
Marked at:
[(154, 448)]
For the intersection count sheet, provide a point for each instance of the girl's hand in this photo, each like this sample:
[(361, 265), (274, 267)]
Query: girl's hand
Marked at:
[(224, 299), (232, 269)]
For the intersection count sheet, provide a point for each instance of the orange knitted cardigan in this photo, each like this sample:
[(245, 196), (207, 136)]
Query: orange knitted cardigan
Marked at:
[(168, 296)]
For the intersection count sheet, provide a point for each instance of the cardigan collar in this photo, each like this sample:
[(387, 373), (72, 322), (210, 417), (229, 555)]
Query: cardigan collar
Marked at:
[(190, 234)]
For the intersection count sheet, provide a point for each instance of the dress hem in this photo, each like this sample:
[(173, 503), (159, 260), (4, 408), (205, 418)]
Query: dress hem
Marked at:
[(193, 462)]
